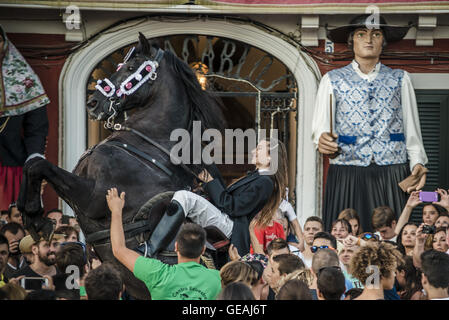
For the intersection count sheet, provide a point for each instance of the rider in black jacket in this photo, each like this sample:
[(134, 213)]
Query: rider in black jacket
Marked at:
[(232, 208)]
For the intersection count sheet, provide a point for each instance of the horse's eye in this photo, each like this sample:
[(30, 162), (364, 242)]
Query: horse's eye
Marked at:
[(131, 68)]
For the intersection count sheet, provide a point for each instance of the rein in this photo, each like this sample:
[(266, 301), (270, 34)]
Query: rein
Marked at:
[(120, 127)]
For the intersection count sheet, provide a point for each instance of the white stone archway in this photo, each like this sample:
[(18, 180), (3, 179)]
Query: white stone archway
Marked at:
[(77, 69)]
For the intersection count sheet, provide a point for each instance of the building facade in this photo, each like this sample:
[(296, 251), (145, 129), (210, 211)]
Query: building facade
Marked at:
[(264, 57)]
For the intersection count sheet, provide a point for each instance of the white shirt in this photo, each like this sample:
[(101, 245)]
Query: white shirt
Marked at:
[(412, 130)]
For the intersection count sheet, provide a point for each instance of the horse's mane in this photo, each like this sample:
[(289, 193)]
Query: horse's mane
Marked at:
[(204, 106)]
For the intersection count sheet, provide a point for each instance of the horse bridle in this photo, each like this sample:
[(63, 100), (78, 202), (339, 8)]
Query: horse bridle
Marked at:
[(145, 72)]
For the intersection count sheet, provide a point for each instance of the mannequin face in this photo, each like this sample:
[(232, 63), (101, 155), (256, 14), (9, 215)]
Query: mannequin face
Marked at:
[(367, 43)]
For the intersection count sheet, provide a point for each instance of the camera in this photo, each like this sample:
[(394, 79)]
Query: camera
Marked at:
[(428, 229)]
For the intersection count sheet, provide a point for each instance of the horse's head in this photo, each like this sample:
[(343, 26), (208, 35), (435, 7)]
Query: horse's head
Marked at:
[(130, 85)]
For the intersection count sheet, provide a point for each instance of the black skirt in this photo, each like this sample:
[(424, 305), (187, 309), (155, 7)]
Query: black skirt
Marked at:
[(363, 189)]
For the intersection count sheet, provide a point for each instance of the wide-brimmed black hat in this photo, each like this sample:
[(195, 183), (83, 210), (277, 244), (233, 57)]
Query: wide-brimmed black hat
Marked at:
[(392, 33)]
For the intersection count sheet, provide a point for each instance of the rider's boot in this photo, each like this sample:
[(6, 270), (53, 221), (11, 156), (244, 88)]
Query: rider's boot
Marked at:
[(166, 229)]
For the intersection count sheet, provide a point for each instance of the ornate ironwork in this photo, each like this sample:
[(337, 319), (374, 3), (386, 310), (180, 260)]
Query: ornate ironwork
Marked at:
[(234, 69), (233, 61)]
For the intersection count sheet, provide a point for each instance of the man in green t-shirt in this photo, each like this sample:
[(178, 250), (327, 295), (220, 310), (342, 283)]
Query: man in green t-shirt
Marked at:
[(188, 280)]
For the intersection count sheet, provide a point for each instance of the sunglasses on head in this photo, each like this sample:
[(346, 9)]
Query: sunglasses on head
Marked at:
[(369, 236), (316, 248)]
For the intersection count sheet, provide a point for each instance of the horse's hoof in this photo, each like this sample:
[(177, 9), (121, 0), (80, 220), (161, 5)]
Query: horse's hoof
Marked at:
[(39, 227)]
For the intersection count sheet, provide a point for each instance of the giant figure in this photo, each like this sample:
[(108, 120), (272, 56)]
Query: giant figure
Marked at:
[(23, 119), (377, 140)]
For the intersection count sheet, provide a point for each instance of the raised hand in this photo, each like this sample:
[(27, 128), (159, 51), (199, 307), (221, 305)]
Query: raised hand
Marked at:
[(444, 199), (16, 280), (420, 236), (205, 176), (413, 200), (350, 241), (233, 253), (50, 285), (115, 203)]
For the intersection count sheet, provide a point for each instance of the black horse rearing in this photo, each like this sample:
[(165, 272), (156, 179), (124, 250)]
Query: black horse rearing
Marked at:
[(172, 100)]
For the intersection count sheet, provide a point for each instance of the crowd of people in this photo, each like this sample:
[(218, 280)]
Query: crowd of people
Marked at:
[(365, 248), (399, 260)]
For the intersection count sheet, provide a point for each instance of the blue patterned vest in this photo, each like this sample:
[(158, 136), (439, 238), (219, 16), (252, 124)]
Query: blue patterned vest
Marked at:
[(368, 117)]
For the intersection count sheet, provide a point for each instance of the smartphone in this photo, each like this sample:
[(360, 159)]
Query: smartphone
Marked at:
[(33, 283), (426, 196)]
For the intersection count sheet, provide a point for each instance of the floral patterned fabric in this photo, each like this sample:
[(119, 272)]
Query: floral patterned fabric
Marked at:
[(20, 88)]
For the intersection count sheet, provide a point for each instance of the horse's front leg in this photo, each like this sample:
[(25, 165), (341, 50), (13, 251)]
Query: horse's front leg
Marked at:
[(73, 189)]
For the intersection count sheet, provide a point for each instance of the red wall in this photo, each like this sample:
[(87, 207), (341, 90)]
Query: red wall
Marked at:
[(34, 47)]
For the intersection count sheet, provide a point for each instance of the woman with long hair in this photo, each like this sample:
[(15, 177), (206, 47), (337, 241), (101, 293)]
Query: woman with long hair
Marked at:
[(230, 209), (437, 241), (280, 178), (407, 238), (353, 218), (409, 279), (430, 213)]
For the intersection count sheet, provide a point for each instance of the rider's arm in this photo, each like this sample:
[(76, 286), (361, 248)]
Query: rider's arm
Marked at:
[(126, 256), (255, 195)]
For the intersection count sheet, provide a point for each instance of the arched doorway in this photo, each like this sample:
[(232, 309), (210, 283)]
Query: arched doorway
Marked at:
[(257, 90), (302, 68)]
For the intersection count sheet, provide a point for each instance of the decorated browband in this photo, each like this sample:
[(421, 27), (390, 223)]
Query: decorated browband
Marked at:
[(145, 72)]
